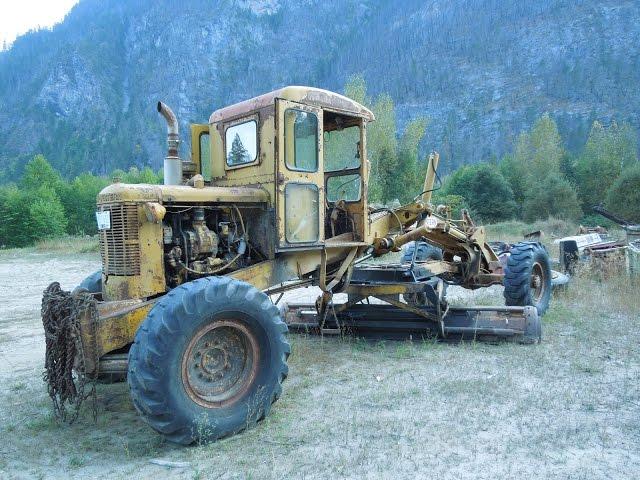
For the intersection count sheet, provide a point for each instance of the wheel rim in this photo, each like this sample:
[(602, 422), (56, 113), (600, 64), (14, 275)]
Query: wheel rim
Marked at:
[(538, 282), (220, 363)]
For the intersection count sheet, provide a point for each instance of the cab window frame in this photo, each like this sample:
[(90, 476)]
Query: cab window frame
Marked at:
[(349, 167), (343, 173), (287, 219), (292, 166), (254, 118), (202, 172)]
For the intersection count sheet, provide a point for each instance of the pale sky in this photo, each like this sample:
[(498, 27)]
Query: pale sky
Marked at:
[(20, 16)]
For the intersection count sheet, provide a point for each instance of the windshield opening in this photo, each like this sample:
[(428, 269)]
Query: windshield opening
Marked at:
[(341, 143)]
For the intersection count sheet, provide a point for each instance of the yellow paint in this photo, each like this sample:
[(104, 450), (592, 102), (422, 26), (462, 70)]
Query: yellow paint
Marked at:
[(117, 325), (196, 154)]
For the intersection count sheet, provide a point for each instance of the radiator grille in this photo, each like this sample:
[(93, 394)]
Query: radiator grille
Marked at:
[(120, 245)]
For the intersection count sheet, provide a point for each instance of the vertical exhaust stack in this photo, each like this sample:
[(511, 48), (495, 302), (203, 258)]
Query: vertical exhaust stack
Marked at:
[(172, 162)]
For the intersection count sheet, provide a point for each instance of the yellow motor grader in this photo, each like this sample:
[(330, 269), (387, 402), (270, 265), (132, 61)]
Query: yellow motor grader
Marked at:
[(272, 198)]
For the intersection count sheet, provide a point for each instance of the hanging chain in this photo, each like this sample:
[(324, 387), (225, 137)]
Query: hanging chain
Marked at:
[(65, 359)]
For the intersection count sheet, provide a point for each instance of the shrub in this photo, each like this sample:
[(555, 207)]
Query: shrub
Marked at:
[(46, 215), (485, 190), (552, 197), (29, 215), (79, 201), (623, 198)]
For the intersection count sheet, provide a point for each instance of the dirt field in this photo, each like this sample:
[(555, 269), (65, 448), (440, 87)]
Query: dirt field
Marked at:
[(568, 408)]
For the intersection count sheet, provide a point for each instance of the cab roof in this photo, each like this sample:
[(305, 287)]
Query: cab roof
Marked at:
[(306, 95)]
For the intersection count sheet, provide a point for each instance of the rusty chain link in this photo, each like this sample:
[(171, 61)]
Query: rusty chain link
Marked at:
[(64, 374)]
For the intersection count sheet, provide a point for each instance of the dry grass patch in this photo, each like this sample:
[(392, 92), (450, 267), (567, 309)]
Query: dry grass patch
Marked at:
[(79, 244), (356, 408)]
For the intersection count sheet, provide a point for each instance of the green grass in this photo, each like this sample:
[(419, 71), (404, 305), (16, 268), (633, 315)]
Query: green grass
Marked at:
[(19, 386), (41, 422), (76, 461)]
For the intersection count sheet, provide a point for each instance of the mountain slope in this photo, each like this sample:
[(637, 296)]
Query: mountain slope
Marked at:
[(482, 70)]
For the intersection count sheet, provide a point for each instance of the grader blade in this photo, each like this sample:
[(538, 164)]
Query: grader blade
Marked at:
[(520, 324)]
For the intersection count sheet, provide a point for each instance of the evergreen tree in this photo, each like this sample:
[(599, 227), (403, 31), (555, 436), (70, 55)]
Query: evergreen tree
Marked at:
[(394, 170), (513, 169), (238, 153), (546, 148), (79, 201), (383, 151), (356, 89), (30, 215), (47, 217)]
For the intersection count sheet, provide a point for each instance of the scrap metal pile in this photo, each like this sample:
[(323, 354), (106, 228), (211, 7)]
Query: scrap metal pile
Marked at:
[(595, 249)]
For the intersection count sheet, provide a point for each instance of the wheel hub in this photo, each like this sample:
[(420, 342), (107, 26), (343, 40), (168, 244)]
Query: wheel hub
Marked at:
[(219, 363), (538, 282), (214, 361)]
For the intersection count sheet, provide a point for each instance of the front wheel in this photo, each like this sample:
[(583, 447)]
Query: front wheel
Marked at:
[(208, 361), (527, 277), (93, 283)]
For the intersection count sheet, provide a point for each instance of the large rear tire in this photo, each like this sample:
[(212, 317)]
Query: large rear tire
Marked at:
[(208, 361), (527, 277)]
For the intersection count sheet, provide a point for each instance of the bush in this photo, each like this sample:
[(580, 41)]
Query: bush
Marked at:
[(46, 215), (79, 201), (552, 197), (607, 151), (14, 218), (29, 215), (623, 198), (485, 190)]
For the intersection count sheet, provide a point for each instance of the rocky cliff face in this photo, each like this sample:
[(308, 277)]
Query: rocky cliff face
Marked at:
[(482, 70)]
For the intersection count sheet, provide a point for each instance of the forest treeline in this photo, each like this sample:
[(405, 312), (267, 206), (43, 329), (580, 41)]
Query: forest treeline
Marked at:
[(45, 205), (537, 180)]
